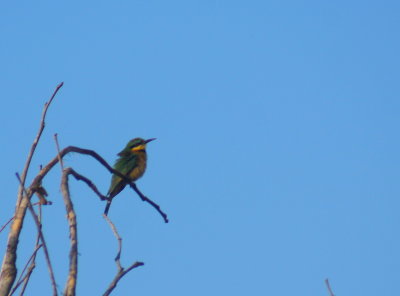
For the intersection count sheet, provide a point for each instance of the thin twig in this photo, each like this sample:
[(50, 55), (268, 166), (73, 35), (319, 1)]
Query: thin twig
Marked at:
[(88, 182), (60, 160), (119, 239), (119, 275), (329, 287), (121, 271), (36, 141), (8, 268), (32, 265), (148, 200), (22, 277), (45, 250), (5, 225), (70, 286)]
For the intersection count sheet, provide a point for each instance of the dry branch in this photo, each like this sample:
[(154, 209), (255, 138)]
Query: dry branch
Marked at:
[(25, 278), (70, 286), (73, 234), (8, 268), (36, 141), (328, 286), (121, 271), (148, 200), (42, 239), (25, 202), (43, 172), (5, 225), (88, 182)]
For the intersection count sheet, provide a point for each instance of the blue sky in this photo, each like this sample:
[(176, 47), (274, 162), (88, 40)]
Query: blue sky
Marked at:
[(277, 141)]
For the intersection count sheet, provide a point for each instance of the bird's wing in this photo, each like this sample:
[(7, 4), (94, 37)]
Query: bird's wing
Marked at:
[(124, 165)]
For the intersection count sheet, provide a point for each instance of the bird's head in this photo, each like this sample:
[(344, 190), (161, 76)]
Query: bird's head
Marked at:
[(135, 145)]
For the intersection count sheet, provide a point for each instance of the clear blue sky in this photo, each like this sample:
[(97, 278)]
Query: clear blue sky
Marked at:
[(277, 152)]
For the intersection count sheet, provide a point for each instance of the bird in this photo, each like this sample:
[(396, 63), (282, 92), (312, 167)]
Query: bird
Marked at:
[(131, 162)]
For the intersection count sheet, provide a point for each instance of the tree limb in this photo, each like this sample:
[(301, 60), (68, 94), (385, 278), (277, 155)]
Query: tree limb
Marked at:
[(8, 268), (36, 141), (88, 182), (121, 271), (148, 200), (32, 262), (70, 286), (73, 234), (43, 172), (45, 250), (25, 279)]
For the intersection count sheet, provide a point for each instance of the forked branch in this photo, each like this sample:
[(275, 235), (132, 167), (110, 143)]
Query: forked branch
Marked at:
[(36, 141), (24, 278), (42, 239), (43, 172), (121, 271), (8, 268)]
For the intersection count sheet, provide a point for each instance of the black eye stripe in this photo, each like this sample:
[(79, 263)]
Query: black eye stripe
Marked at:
[(135, 145)]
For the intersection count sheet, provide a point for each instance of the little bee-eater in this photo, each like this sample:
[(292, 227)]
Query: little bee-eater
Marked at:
[(131, 163)]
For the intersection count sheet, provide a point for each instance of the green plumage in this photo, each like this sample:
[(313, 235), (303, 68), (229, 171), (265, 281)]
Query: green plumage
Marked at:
[(125, 165), (131, 163)]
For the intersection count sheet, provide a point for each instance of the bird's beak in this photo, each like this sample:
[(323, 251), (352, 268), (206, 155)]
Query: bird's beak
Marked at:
[(149, 140)]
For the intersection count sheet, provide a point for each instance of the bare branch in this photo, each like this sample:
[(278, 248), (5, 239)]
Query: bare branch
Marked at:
[(148, 200), (60, 160), (96, 156), (5, 225), (45, 250), (121, 271), (31, 260), (70, 287), (8, 268), (119, 239), (328, 286), (88, 182), (73, 234), (36, 141), (119, 275), (30, 269)]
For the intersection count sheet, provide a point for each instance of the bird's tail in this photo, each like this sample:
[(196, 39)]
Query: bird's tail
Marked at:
[(107, 207)]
